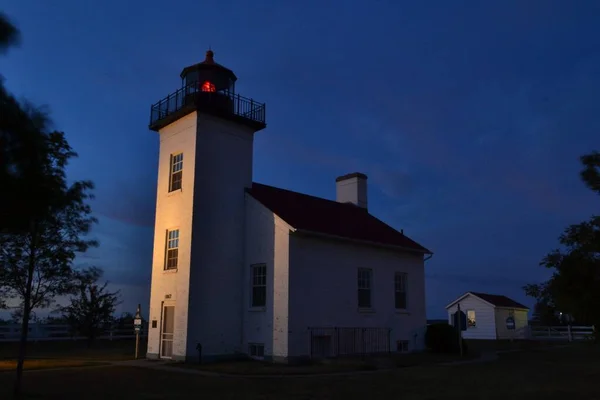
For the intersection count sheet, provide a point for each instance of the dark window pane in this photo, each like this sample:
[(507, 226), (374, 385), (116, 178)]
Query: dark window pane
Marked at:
[(176, 181), (259, 295), (401, 300), (364, 298)]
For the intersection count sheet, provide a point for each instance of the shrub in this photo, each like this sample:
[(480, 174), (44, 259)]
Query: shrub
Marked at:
[(443, 338)]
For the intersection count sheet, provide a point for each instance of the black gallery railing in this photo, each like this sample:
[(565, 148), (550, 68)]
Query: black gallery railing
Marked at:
[(221, 102)]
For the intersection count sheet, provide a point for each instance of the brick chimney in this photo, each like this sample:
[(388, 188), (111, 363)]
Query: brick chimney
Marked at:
[(352, 188)]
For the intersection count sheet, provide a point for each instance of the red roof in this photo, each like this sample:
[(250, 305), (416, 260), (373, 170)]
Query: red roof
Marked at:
[(317, 215), (499, 300)]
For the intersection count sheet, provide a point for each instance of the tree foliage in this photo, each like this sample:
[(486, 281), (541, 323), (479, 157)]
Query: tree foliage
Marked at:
[(36, 259), (591, 171), (42, 219), (92, 305), (9, 34), (574, 287)]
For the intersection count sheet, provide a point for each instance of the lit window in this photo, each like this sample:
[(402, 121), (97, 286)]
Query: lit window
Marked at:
[(176, 172), (471, 323), (172, 249), (400, 279), (208, 87), (364, 288), (259, 285)]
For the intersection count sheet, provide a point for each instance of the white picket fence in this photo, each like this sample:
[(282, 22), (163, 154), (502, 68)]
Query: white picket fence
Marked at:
[(48, 332), (566, 333)]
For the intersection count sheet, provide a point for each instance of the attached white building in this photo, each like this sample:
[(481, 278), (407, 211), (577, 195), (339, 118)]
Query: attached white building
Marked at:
[(490, 316), (245, 268)]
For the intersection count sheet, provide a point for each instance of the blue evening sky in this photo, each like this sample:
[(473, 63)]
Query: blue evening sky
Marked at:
[(467, 116)]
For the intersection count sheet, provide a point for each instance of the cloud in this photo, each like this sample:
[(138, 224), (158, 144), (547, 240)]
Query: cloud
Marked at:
[(129, 201)]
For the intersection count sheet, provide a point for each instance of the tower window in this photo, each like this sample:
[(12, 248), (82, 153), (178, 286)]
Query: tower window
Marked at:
[(208, 87), (259, 285), (176, 172), (172, 249)]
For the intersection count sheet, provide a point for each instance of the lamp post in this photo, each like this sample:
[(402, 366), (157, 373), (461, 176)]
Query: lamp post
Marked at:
[(137, 325)]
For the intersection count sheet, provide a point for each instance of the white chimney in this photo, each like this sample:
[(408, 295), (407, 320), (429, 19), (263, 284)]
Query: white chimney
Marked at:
[(352, 188)]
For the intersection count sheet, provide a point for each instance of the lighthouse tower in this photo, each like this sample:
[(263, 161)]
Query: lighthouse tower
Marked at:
[(206, 133)]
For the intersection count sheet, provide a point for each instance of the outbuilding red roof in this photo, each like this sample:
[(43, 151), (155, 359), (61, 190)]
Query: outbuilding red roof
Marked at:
[(317, 215), (499, 300)]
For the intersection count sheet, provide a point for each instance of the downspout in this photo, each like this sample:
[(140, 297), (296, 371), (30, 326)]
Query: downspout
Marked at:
[(427, 258)]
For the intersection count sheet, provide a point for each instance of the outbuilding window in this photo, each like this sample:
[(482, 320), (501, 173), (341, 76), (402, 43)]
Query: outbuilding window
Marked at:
[(471, 321)]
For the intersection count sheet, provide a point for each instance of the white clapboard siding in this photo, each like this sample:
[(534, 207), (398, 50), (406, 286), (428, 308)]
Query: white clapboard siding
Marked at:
[(484, 317)]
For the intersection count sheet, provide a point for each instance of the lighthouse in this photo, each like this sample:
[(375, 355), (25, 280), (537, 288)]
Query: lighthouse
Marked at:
[(206, 132)]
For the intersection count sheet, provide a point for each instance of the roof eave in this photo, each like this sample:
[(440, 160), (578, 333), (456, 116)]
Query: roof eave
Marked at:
[(485, 301), (358, 241)]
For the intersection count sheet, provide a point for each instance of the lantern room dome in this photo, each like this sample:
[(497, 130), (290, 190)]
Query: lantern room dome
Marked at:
[(208, 72)]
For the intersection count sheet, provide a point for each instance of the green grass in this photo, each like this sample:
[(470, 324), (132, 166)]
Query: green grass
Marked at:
[(560, 373), (250, 367), (8, 365), (105, 350)]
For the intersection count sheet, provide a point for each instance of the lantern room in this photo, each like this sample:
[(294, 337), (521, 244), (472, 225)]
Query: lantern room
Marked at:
[(208, 76), (208, 88)]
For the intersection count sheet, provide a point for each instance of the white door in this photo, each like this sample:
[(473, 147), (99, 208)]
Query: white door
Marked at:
[(168, 330)]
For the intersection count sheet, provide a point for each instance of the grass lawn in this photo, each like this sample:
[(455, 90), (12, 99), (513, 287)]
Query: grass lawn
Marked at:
[(252, 367), (101, 350), (11, 365), (559, 373)]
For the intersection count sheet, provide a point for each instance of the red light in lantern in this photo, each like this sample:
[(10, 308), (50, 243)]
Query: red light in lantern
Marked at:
[(208, 87)]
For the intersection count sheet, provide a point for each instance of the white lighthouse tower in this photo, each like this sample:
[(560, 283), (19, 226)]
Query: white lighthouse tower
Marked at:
[(206, 135)]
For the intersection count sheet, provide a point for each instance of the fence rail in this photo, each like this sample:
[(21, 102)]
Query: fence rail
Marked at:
[(50, 332), (334, 342), (567, 333)]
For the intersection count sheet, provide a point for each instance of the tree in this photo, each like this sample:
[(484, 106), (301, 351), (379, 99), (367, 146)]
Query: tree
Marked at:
[(544, 310), (16, 316), (23, 147), (36, 262), (9, 34), (574, 287), (591, 171), (92, 306)]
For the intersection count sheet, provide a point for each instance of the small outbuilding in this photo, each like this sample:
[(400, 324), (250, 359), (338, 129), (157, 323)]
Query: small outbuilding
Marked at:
[(490, 316)]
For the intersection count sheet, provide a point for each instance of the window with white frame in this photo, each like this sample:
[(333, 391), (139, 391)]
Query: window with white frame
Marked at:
[(259, 285), (256, 350), (471, 321), (172, 249), (364, 287), (400, 283), (176, 172)]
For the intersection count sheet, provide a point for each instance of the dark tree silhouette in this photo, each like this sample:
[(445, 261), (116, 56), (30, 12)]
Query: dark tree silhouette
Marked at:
[(574, 287), (9, 34), (36, 262), (92, 305), (591, 171), (23, 149)]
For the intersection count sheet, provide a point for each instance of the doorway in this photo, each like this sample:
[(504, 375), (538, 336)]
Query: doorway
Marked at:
[(167, 332)]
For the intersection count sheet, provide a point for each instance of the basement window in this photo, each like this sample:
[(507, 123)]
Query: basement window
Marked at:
[(256, 350), (402, 346)]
